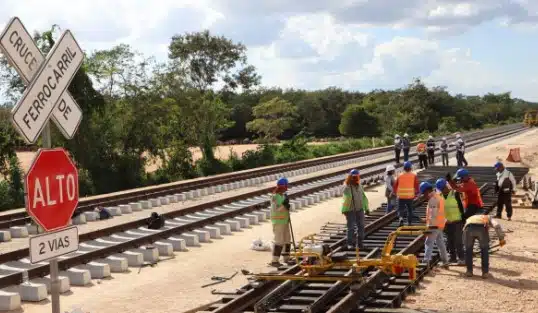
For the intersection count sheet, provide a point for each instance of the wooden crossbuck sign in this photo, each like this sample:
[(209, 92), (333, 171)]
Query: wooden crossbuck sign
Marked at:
[(47, 80)]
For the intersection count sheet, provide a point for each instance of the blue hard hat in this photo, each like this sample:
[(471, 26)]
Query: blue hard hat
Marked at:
[(425, 186), (440, 184), (407, 165), (354, 172), (462, 173), (282, 181), (498, 164)]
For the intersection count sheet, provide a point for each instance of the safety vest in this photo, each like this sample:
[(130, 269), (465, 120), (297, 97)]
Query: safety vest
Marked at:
[(406, 186), (421, 148), (346, 204), (278, 217), (452, 210), (440, 219), (477, 219)]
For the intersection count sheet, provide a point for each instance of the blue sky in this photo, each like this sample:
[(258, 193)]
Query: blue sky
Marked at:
[(471, 47)]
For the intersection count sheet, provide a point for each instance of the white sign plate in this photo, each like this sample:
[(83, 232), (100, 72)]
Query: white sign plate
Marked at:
[(33, 110), (24, 55), (54, 244)]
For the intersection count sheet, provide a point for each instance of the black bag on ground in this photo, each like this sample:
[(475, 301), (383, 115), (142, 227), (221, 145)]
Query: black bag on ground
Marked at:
[(155, 221), (104, 214)]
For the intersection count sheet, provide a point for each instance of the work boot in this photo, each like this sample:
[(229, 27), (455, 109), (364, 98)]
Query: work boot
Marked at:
[(469, 274), (401, 222), (277, 250), (486, 275)]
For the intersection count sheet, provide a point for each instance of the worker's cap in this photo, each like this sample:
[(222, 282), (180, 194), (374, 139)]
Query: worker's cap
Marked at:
[(462, 173), (406, 135), (354, 172), (440, 184), (407, 165), (430, 137), (425, 186), (498, 164), (282, 181), (390, 168)]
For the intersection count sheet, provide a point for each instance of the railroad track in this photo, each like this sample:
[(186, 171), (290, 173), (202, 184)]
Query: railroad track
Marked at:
[(379, 293), (116, 248), (184, 190)]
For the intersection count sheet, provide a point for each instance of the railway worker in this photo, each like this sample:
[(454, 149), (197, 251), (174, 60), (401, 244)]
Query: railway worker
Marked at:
[(435, 220), (280, 218), (354, 207), (422, 158), (470, 193), (506, 183), (477, 228), (389, 187), (454, 222), (460, 151), (397, 148), (430, 146), (406, 189), (444, 151), (406, 145)]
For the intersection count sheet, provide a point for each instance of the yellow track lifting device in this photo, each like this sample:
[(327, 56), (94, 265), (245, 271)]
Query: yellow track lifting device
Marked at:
[(314, 259)]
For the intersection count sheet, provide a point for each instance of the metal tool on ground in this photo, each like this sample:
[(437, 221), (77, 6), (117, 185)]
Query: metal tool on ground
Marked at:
[(219, 280)]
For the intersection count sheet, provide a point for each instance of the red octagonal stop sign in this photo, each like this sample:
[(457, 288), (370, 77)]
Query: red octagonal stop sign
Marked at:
[(52, 189)]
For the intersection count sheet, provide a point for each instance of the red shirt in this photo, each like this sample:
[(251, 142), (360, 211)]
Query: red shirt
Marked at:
[(471, 191)]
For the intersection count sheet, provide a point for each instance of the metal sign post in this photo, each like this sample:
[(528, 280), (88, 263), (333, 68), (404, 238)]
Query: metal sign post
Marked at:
[(47, 79)]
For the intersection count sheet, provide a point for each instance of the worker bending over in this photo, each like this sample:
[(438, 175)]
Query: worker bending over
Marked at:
[(444, 151), (422, 158), (389, 187), (454, 223), (397, 148), (430, 145), (406, 188), (435, 221), (506, 183), (471, 198), (406, 145), (354, 206), (477, 228), (280, 217)]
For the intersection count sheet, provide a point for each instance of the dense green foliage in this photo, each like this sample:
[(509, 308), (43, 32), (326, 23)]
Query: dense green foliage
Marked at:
[(137, 110)]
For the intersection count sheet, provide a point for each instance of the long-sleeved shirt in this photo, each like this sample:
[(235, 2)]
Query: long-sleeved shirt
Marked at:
[(470, 189), (460, 145), (490, 223), (395, 187), (406, 144), (430, 144), (397, 144), (389, 183), (444, 146), (506, 174)]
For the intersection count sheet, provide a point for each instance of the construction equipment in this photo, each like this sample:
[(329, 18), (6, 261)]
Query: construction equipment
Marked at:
[(531, 118), (314, 259)]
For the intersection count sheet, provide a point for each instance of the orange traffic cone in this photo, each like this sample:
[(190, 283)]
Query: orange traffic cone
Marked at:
[(514, 156)]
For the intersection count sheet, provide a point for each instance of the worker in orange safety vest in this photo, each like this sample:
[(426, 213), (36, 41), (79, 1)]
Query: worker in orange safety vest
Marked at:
[(406, 188), (422, 157), (435, 220)]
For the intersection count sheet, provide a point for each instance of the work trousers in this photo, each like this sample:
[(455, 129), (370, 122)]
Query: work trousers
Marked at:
[(397, 155), (444, 157), (282, 234), (423, 161), (402, 212), (470, 234), (355, 227), (391, 204), (406, 154), (504, 199), (454, 236), (460, 158), (470, 210), (431, 157), (436, 237)]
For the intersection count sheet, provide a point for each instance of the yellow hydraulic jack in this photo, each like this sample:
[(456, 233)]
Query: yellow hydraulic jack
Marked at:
[(314, 259)]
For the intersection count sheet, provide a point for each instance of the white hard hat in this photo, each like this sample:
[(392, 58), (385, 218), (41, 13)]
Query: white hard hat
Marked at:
[(390, 168), (444, 138), (458, 136), (430, 137), (396, 136), (406, 135), (460, 140)]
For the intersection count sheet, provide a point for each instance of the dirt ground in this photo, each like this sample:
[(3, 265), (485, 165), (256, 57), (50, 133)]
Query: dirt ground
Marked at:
[(175, 285)]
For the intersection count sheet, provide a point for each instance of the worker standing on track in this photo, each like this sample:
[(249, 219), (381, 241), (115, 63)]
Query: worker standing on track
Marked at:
[(406, 145), (460, 151), (454, 223), (354, 207), (389, 189), (280, 217), (422, 158), (506, 183), (430, 145), (444, 151), (470, 193), (477, 227), (435, 220), (406, 189), (397, 148)]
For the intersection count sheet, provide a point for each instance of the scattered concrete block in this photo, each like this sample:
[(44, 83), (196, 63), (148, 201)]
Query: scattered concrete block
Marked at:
[(214, 232), (181, 197), (260, 215), (5, 235), (163, 200), (164, 248), (134, 259), (155, 202), (145, 204), (33, 229), (9, 300), (77, 277), (218, 188), (97, 270), (203, 235), (91, 216), (243, 221), (198, 193), (234, 225), (253, 219), (225, 229), (79, 219), (192, 194), (178, 244), (65, 286), (172, 199), (116, 264), (31, 292), (203, 192), (267, 213), (190, 239), (150, 255), (125, 209), (114, 211), (136, 206)]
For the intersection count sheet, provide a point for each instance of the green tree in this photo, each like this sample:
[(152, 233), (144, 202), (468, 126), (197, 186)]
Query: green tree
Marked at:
[(357, 122), (272, 118)]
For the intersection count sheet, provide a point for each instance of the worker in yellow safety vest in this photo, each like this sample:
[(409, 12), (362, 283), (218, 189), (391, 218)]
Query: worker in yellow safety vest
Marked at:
[(477, 227), (454, 222), (280, 217), (354, 208), (435, 220), (406, 188)]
